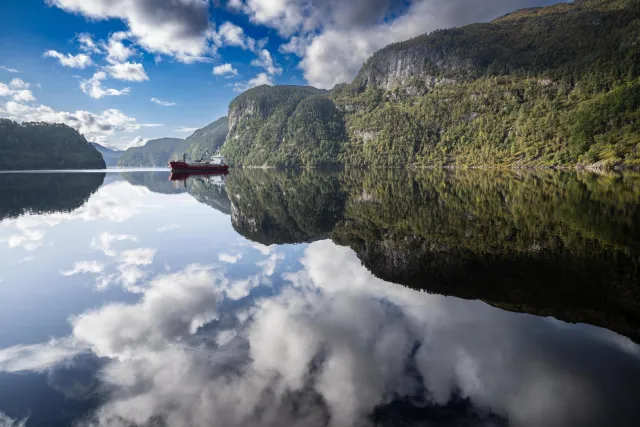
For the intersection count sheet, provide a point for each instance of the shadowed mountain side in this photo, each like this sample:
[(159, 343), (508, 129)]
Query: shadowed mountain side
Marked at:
[(561, 245), (24, 193), (284, 207), (206, 191), (158, 182)]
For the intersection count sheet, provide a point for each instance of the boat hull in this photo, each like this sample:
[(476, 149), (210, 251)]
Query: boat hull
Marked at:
[(191, 168)]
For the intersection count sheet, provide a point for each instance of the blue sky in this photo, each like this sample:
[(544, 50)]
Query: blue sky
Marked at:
[(124, 71)]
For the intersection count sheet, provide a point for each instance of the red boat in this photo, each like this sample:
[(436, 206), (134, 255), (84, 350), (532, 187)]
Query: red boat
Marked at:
[(215, 164)]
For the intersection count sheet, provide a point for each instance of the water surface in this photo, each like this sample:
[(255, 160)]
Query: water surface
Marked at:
[(265, 298)]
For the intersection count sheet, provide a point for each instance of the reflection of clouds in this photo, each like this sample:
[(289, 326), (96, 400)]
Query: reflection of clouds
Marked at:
[(36, 357), (104, 241), (85, 267), (6, 421), (229, 258), (269, 265), (333, 347), (115, 202), (167, 228)]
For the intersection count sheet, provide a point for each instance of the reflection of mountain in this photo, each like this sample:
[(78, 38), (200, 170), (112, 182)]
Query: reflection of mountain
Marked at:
[(156, 181), (22, 193), (553, 244), (274, 207), (558, 244), (210, 190)]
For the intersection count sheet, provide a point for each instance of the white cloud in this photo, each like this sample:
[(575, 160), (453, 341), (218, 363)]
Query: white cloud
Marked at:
[(265, 61), (93, 87), (138, 141), (118, 52), (85, 40), (185, 129), (229, 258), (260, 79), (232, 35), (139, 256), (176, 28), (163, 103), (5, 90), (10, 70), (105, 240), (17, 89), (23, 96), (73, 61), (90, 124), (128, 71), (19, 84), (85, 267), (221, 70)]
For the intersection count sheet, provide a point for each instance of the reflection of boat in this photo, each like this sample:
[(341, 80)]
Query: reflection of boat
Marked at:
[(213, 165), (183, 175)]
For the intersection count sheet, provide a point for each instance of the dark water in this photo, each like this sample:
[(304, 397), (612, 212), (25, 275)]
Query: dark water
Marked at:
[(442, 298)]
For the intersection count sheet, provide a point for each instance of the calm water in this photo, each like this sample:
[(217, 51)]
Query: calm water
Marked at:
[(311, 299)]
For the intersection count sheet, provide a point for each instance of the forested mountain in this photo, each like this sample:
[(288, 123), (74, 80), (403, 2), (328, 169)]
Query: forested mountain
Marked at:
[(45, 146), (156, 152), (209, 138), (110, 156), (542, 87), (285, 126)]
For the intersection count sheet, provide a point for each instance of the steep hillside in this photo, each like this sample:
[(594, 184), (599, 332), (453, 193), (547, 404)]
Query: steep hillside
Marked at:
[(541, 87), (284, 126), (45, 146), (154, 153), (209, 138), (110, 157)]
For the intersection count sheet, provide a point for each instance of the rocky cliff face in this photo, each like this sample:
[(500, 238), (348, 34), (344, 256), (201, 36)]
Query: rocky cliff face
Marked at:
[(419, 65)]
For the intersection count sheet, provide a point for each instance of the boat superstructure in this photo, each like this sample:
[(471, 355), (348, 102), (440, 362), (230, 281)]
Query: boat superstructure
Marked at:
[(211, 164)]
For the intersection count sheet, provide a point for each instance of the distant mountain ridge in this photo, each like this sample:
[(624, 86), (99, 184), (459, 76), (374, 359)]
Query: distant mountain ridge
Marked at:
[(158, 152), (110, 156), (155, 153)]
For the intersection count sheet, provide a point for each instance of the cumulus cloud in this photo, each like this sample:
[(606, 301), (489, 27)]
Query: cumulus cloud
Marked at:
[(175, 28), (162, 103), (224, 69), (90, 124), (93, 87), (230, 34), (265, 61), (260, 79), (80, 60), (127, 71), (84, 267), (18, 90), (19, 84), (7, 69), (117, 51), (85, 40)]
